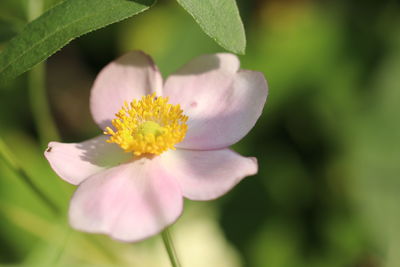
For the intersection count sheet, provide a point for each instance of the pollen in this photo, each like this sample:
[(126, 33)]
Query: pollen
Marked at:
[(148, 126)]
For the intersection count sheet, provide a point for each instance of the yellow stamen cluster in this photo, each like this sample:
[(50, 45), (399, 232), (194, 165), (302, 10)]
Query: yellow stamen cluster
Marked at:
[(148, 126)]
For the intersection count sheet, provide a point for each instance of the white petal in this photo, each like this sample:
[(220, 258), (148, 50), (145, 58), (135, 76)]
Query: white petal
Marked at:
[(75, 162), (129, 77), (222, 103), (130, 202), (206, 175)]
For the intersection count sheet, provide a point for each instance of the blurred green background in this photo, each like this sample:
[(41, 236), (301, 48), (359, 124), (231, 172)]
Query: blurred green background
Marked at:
[(328, 142)]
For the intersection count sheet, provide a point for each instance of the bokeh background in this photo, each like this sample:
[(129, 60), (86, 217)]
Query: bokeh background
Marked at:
[(328, 142)]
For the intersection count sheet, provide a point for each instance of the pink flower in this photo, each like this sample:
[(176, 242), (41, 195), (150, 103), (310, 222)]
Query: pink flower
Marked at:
[(132, 180)]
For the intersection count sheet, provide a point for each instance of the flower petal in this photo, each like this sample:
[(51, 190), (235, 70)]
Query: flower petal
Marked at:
[(205, 175), (129, 202), (129, 77), (75, 162), (222, 103)]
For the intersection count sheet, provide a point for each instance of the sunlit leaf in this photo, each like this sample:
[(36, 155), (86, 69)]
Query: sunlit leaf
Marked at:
[(57, 27), (219, 19)]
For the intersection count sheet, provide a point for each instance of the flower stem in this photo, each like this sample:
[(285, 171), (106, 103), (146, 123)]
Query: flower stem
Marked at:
[(44, 122), (169, 246), (12, 163), (34, 9)]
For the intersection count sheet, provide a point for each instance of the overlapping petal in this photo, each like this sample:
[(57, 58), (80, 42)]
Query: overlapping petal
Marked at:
[(222, 102), (75, 162), (129, 202), (206, 175), (129, 77)]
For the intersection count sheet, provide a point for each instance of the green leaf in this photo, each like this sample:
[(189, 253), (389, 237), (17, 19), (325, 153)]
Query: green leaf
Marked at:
[(57, 27), (219, 19)]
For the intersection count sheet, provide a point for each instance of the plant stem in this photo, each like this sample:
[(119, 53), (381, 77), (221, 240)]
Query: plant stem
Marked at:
[(13, 164), (169, 246), (44, 122), (34, 9), (40, 108)]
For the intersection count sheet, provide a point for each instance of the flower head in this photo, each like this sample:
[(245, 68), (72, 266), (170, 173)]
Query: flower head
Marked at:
[(149, 125), (161, 142)]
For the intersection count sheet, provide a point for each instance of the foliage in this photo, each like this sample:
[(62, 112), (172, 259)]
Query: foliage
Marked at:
[(72, 18)]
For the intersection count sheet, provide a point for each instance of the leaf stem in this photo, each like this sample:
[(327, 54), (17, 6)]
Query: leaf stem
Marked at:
[(13, 164), (169, 246)]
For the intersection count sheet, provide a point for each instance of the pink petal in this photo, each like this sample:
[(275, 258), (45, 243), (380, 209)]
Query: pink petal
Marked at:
[(129, 202), (129, 77), (205, 175), (76, 161), (222, 103)]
